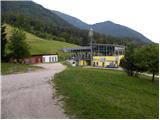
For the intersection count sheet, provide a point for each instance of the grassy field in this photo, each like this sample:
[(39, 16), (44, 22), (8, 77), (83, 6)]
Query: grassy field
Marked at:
[(97, 93), (42, 46), (9, 68)]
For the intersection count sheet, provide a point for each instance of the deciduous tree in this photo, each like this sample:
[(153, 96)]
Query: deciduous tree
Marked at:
[(148, 58), (144, 59), (128, 61)]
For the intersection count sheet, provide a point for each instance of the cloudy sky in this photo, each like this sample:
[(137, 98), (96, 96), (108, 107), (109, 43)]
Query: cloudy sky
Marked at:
[(140, 15)]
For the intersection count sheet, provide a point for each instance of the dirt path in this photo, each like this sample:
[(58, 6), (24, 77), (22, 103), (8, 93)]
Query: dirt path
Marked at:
[(29, 95)]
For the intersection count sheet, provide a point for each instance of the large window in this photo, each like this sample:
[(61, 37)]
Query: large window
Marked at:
[(52, 59)]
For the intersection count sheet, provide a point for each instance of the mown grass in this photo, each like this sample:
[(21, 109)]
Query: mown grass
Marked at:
[(96, 93), (41, 46), (10, 68)]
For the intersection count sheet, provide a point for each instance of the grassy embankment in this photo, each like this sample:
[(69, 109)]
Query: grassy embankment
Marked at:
[(97, 93), (37, 46)]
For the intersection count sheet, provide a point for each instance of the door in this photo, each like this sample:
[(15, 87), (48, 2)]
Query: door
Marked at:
[(103, 64), (44, 60)]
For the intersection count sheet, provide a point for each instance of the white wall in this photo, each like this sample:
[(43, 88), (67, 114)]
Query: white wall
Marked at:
[(50, 58)]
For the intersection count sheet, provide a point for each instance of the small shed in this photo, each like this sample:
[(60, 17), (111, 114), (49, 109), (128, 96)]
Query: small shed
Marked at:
[(41, 58)]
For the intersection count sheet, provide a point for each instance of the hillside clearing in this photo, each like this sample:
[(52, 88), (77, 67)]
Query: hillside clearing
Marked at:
[(41, 46), (96, 93)]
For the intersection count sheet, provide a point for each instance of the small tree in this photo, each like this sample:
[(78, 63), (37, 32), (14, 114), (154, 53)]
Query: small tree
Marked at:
[(139, 57), (150, 53), (128, 61), (18, 47), (146, 58), (3, 42)]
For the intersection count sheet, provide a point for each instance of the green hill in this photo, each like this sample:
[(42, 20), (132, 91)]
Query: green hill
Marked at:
[(43, 23), (22, 12), (106, 28), (41, 46)]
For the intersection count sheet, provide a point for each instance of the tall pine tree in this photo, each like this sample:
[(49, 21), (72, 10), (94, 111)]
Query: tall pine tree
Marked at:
[(18, 47), (3, 42)]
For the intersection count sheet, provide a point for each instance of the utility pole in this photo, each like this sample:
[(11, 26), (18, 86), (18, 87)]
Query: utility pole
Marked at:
[(91, 44)]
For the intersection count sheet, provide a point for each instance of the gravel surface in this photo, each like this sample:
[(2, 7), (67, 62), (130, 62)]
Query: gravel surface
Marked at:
[(30, 95)]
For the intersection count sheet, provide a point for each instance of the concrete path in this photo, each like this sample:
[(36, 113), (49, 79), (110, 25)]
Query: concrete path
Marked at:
[(30, 95)]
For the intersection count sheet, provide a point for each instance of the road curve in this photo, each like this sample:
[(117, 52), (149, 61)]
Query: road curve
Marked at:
[(30, 95)]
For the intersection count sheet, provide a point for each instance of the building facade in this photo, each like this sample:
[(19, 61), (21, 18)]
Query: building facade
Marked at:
[(49, 58), (107, 61), (103, 55), (41, 58)]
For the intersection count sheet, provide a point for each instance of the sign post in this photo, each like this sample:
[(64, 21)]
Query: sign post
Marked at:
[(91, 44)]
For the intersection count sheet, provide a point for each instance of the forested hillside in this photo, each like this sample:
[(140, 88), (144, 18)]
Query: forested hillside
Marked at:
[(117, 30), (107, 28), (72, 20), (42, 22)]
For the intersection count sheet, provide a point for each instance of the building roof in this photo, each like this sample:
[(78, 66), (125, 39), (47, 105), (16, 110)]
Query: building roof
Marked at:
[(88, 48)]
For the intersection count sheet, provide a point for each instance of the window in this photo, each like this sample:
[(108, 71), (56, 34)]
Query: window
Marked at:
[(52, 59), (49, 59), (55, 59), (103, 64)]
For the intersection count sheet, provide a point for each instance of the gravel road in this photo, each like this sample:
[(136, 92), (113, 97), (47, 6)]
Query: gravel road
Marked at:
[(30, 95)]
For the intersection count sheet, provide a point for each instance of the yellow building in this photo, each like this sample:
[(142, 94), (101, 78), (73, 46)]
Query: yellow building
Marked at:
[(103, 55), (83, 63), (107, 61), (103, 61)]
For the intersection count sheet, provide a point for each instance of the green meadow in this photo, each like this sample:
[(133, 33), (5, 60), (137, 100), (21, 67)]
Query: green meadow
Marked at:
[(42, 46), (97, 93)]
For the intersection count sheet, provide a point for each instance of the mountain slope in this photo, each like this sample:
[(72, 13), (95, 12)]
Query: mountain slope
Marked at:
[(72, 20), (107, 28), (116, 30), (31, 9), (39, 45), (43, 23)]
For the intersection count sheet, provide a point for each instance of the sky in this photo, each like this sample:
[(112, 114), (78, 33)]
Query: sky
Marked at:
[(140, 15)]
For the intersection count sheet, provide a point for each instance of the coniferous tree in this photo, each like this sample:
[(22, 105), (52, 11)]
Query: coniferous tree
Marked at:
[(18, 46), (3, 42)]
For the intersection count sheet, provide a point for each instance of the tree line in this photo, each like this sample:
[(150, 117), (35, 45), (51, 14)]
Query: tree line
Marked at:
[(141, 59), (52, 31)]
